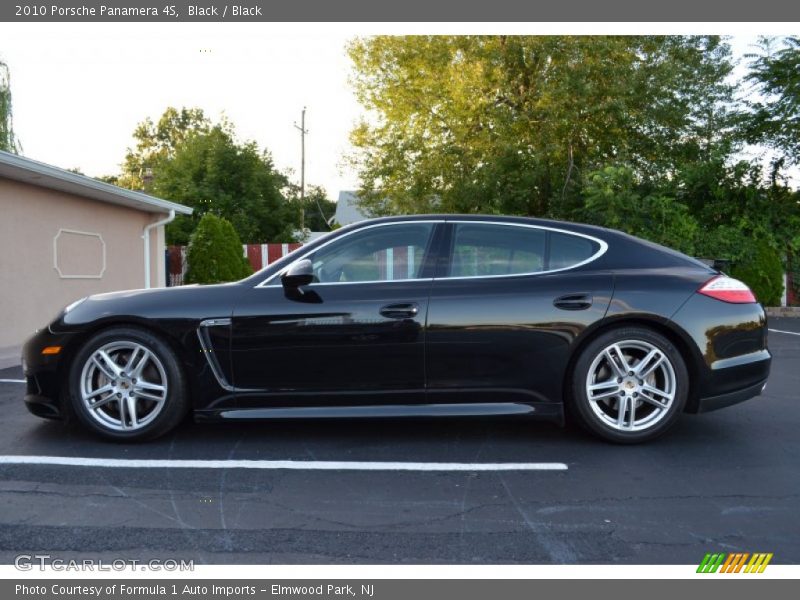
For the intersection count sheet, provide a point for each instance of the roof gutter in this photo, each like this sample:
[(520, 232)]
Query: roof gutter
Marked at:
[(146, 238), (33, 172)]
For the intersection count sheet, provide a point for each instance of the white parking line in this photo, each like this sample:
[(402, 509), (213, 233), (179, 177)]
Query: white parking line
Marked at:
[(12, 381), (299, 465), (782, 331)]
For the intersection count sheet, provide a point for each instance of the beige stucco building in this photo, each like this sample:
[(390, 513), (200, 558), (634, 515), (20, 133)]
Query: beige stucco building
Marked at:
[(64, 236)]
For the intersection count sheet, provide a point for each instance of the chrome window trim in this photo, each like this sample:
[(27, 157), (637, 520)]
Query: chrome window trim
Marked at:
[(603, 248), (268, 280), (320, 284)]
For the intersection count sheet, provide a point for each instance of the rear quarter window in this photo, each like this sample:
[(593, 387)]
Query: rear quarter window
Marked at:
[(569, 250)]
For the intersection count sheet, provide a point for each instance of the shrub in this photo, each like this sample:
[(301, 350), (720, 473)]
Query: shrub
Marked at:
[(611, 199), (763, 273), (215, 253)]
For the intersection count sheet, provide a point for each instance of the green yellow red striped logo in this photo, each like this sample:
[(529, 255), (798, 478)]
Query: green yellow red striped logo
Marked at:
[(735, 562)]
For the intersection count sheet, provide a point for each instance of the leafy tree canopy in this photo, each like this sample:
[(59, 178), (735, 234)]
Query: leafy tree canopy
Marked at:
[(776, 114), (8, 141), (318, 210), (157, 142), (613, 199), (639, 133), (510, 124), (186, 158)]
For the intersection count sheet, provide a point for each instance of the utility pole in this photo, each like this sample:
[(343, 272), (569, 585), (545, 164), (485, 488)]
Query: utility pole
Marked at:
[(303, 132)]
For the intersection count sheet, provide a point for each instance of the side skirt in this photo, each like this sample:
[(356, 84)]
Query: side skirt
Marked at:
[(549, 411)]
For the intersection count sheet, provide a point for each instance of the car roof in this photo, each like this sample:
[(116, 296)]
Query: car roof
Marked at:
[(552, 223), (625, 250)]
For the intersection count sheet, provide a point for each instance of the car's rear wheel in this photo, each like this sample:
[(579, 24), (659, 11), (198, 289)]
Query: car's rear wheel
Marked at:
[(126, 384), (629, 385)]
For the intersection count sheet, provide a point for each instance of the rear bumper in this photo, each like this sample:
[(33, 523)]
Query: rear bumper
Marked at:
[(715, 402), (735, 380), (728, 347)]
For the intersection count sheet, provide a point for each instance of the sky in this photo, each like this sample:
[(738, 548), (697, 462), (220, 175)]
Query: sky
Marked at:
[(79, 90)]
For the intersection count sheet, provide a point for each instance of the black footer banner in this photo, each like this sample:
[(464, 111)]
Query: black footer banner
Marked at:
[(389, 589)]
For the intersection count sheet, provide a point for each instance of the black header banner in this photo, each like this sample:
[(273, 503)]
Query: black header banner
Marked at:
[(407, 11)]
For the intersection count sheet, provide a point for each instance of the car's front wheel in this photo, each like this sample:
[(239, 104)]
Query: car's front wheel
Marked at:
[(126, 384), (629, 385)]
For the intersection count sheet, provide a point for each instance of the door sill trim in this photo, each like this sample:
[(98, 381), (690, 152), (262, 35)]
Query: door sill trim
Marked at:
[(388, 410)]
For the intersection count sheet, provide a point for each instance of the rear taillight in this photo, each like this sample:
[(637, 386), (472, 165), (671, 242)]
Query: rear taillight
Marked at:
[(727, 289)]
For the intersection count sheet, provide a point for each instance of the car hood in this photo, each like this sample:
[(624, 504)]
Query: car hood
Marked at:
[(183, 302)]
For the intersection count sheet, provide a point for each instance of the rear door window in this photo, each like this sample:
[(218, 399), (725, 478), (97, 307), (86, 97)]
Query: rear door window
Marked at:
[(481, 250)]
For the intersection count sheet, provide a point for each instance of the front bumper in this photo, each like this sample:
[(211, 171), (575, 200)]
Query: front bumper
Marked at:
[(45, 375), (44, 407)]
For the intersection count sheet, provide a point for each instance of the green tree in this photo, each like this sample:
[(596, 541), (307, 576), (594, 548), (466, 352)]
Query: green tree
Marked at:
[(212, 172), (215, 253), (613, 199), (735, 205), (157, 142), (513, 124), (776, 114), (8, 140), (317, 209), (186, 158), (639, 133), (112, 179), (763, 273)]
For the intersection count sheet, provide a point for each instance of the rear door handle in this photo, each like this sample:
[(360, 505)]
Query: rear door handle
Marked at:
[(573, 302), (403, 310)]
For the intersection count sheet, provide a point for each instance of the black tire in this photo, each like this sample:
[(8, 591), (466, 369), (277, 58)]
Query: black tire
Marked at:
[(596, 416), (171, 410)]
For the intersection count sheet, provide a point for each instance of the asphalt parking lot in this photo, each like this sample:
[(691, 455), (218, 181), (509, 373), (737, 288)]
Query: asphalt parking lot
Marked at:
[(724, 481)]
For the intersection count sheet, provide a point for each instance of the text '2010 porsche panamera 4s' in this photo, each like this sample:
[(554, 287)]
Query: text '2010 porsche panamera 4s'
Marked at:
[(436, 315)]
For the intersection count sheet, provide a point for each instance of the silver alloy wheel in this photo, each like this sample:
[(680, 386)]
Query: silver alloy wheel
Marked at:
[(631, 385), (123, 386)]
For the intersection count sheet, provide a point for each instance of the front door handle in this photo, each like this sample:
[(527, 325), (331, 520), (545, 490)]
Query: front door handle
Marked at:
[(403, 310), (573, 302)]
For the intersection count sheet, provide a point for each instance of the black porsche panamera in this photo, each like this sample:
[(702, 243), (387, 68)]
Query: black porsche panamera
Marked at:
[(416, 316)]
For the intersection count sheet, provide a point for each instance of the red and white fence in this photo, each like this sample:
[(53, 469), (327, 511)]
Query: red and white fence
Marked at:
[(791, 284), (259, 256)]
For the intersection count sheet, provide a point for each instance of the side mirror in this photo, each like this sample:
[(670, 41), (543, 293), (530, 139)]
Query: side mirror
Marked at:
[(300, 273)]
